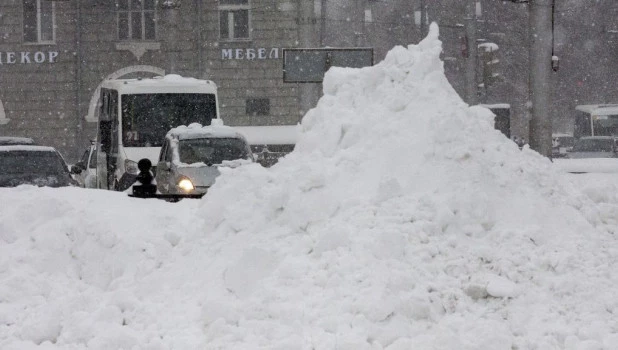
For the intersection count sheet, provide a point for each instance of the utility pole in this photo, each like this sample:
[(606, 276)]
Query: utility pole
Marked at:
[(471, 61), (306, 34), (540, 75)]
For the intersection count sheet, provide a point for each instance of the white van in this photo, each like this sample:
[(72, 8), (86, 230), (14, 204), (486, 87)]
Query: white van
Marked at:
[(136, 114), (192, 156)]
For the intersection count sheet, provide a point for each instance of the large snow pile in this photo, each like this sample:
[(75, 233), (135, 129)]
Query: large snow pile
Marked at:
[(402, 220)]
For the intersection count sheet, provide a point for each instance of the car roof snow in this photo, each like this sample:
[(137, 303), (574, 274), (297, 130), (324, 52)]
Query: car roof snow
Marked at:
[(12, 148), (597, 138), (15, 140), (197, 131), (601, 109)]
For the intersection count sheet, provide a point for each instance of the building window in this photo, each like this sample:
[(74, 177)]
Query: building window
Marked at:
[(234, 19), (136, 19), (258, 106), (39, 26)]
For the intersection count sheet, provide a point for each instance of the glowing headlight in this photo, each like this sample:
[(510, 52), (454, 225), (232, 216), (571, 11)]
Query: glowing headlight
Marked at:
[(186, 185), (131, 167)]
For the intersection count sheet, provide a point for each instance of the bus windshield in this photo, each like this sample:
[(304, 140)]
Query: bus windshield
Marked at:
[(146, 118), (605, 125)]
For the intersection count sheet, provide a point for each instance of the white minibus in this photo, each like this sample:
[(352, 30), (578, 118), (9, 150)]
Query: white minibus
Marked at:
[(135, 115)]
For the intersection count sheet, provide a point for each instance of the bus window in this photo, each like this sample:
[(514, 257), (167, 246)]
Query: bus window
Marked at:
[(113, 104), (605, 125), (113, 116), (582, 125), (104, 100), (105, 125)]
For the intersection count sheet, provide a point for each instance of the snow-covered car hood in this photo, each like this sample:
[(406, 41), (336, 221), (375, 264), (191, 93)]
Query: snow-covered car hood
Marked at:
[(201, 176)]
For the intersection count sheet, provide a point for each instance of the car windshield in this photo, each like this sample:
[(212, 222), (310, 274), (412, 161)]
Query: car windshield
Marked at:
[(212, 150), (31, 162), (593, 145), (146, 118)]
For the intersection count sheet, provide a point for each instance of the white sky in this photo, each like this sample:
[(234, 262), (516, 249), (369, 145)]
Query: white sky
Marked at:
[(402, 220)]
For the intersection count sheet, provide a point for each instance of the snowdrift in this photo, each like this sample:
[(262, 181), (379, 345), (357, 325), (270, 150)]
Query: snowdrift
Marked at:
[(402, 220)]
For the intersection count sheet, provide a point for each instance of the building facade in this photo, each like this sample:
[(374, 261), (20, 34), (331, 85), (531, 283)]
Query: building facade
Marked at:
[(55, 54)]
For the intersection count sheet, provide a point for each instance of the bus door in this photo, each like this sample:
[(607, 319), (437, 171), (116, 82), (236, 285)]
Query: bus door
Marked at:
[(107, 149), (583, 124)]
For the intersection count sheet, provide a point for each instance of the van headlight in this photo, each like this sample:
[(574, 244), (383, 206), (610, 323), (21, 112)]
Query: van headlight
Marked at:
[(186, 185), (131, 167)]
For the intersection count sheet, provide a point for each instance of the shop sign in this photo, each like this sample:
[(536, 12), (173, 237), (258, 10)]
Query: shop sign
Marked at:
[(28, 57), (250, 54)]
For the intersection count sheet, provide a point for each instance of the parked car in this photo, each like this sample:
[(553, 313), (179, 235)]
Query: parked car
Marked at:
[(85, 169), (594, 147), (561, 145), (14, 140), (191, 157), (33, 165), (269, 143)]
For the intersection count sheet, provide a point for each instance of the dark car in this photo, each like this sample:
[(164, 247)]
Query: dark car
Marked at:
[(33, 165), (594, 147)]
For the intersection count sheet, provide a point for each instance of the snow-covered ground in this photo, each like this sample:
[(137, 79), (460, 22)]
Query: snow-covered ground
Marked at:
[(402, 220)]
